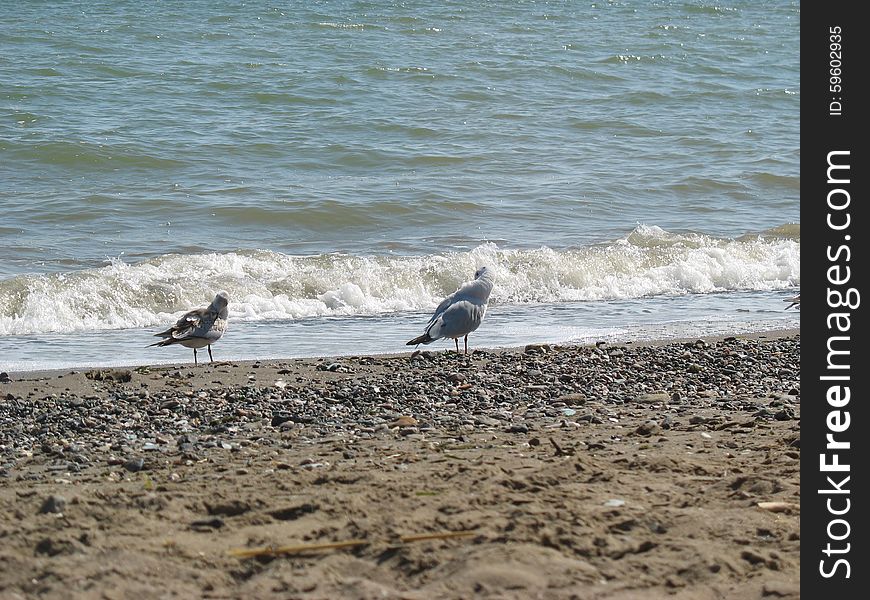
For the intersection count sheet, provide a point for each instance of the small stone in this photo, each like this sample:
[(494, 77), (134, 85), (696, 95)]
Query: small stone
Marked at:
[(781, 589), (485, 420), (572, 399), (536, 348), (207, 524), (404, 421), (52, 547), (227, 509), (784, 415), (518, 428), (53, 504), (332, 367), (135, 464), (657, 398), (648, 428), (280, 417)]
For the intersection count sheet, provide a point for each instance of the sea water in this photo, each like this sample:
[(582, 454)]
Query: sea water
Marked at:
[(629, 170)]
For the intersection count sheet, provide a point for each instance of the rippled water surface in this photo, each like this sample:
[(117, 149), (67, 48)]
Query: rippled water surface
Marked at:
[(353, 162)]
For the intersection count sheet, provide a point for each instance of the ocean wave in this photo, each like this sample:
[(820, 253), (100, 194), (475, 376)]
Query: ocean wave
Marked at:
[(91, 154), (266, 285)]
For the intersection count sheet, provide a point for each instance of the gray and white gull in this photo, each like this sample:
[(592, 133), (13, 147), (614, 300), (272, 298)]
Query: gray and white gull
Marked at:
[(460, 313)]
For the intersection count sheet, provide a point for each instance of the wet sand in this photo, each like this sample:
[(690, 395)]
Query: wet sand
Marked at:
[(660, 470)]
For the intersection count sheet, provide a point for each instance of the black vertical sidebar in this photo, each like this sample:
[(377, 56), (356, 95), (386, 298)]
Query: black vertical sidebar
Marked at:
[(835, 351)]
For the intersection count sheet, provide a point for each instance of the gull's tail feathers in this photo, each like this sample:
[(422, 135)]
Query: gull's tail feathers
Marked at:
[(423, 339), (164, 342)]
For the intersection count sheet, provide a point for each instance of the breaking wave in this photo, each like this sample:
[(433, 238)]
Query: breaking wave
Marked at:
[(265, 285)]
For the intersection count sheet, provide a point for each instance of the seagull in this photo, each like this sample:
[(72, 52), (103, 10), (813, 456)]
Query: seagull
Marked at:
[(199, 327), (460, 313), (795, 301)]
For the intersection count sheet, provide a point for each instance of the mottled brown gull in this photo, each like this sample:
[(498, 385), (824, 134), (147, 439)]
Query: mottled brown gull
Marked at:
[(201, 327)]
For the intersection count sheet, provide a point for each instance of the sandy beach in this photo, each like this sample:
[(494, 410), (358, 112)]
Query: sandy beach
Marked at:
[(660, 470)]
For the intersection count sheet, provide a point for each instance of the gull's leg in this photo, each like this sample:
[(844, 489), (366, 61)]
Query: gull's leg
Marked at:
[(466, 344), (456, 341), (194, 356), (209, 353)]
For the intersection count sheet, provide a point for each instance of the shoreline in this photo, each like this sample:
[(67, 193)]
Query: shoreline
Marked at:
[(662, 470), (22, 375)]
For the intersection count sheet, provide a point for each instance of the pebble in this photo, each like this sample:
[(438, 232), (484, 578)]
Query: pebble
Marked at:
[(207, 524), (404, 421), (53, 504), (135, 464), (658, 398), (536, 348), (648, 428), (572, 399)]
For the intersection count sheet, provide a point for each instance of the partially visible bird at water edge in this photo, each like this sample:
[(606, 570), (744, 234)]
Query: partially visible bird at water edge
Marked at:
[(201, 327), (460, 313), (795, 301)]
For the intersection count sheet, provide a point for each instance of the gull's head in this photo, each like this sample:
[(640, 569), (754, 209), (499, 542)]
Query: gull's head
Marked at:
[(221, 300), (481, 272)]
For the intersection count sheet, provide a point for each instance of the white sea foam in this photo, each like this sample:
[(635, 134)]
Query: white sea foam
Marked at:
[(268, 286)]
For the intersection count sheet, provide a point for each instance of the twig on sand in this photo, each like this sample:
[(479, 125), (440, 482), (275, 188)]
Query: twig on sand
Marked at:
[(780, 506), (561, 451), (300, 549), (307, 548)]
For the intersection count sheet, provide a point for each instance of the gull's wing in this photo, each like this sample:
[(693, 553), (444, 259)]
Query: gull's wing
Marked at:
[(443, 306), (467, 292), (458, 319), (187, 325)]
